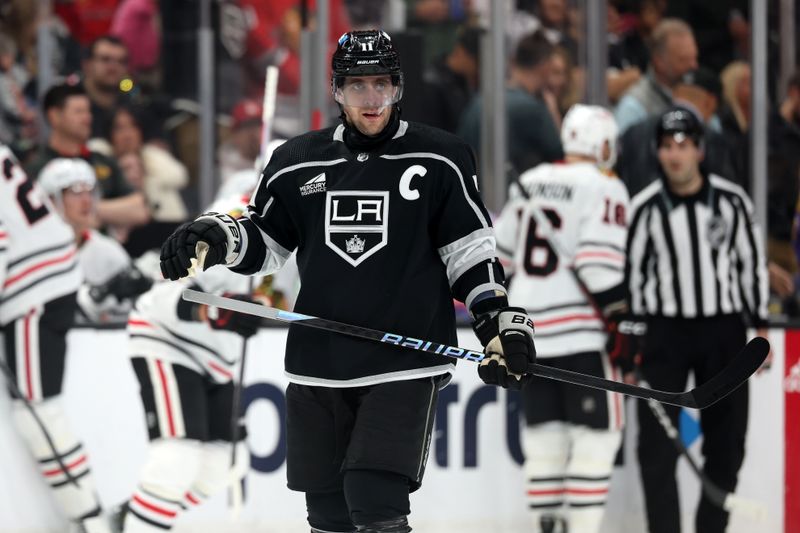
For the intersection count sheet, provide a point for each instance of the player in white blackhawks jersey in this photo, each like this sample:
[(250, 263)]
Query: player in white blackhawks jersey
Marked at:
[(111, 282), (185, 357), (39, 276), (562, 237)]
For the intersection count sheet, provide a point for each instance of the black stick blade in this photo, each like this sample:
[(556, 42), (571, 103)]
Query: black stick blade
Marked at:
[(744, 365)]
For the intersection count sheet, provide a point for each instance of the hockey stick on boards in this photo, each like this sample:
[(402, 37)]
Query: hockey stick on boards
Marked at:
[(236, 492), (719, 497), (746, 362)]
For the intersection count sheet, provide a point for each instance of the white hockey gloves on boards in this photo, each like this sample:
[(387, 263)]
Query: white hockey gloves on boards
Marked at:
[(507, 338)]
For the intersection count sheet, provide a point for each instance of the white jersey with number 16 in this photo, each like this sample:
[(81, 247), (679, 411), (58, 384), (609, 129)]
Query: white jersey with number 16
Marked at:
[(586, 213)]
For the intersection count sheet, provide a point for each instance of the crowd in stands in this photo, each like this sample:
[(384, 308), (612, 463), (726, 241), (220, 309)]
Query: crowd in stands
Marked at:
[(125, 91)]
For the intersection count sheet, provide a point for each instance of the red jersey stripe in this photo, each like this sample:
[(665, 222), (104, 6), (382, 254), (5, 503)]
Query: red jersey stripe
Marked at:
[(167, 399), (33, 268), (565, 318)]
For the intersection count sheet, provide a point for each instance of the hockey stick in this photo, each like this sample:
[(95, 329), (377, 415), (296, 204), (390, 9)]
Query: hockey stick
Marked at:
[(267, 114), (12, 385), (236, 492), (719, 497), (746, 362)]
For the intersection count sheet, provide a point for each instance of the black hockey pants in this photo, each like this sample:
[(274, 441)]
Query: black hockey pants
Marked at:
[(672, 349)]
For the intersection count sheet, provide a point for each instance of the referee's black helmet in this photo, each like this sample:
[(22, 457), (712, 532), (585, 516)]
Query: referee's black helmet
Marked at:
[(680, 123)]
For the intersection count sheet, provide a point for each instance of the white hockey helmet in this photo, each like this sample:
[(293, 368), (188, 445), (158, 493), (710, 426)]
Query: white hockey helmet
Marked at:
[(585, 131), (66, 173)]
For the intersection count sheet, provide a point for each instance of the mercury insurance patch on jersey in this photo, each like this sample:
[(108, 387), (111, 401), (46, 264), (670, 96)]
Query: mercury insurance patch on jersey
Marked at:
[(314, 185), (356, 223)]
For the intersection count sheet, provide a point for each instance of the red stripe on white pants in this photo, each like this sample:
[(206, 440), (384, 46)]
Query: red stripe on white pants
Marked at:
[(792, 436)]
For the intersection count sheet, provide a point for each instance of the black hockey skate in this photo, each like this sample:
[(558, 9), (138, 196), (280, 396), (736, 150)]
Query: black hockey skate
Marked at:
[(552, 524)]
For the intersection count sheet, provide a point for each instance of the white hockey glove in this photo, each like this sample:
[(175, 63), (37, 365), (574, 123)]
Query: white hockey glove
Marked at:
[(507, 338), (220, 232)]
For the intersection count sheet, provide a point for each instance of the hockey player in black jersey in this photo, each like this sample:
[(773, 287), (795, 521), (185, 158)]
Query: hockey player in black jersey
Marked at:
[(388, 227)]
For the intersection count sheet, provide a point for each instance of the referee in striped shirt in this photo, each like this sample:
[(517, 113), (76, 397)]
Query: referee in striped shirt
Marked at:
[(696, 271)]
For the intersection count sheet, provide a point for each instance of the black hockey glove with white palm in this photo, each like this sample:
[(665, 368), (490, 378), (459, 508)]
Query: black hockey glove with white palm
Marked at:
[(624, 343), (221, 234), (242, 323), (507, 338)]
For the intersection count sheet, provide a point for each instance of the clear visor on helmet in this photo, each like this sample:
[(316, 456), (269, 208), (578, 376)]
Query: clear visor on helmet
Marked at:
[(367, 91), (79, 187)]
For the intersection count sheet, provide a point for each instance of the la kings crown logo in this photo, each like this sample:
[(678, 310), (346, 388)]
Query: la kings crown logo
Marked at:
[(356, 223), (355, 245)]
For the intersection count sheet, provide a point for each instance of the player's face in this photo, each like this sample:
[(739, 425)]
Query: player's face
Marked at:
[(78, 202), (367, 102), (680, 158)]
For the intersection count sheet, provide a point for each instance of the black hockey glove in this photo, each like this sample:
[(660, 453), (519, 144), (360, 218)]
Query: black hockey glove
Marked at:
[(220, 232), (240, 323), (128, 284), (507, 338), (624, 342)]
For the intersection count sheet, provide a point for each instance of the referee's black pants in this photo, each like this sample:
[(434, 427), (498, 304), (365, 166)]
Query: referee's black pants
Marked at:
[(673, 348)]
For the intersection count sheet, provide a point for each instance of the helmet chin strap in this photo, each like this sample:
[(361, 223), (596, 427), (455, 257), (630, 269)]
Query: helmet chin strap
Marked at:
[(356, 140)]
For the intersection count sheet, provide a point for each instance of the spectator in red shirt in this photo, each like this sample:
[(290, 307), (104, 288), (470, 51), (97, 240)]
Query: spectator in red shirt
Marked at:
[(87, 20)]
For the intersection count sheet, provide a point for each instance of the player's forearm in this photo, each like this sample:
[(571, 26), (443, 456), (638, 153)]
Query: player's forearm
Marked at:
[(130, 210), (259, 253), (481, 288)]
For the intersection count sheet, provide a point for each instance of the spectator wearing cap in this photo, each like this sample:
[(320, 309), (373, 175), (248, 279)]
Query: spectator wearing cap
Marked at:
[(452, 81), (673, 53), (699, 91), (68, 113), (533, 137), (240, 151)]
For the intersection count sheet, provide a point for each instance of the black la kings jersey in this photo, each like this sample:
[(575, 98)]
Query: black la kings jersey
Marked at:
[(385, 239)]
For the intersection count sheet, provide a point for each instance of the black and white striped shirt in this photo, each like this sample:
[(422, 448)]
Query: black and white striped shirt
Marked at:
[(696, 256)]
